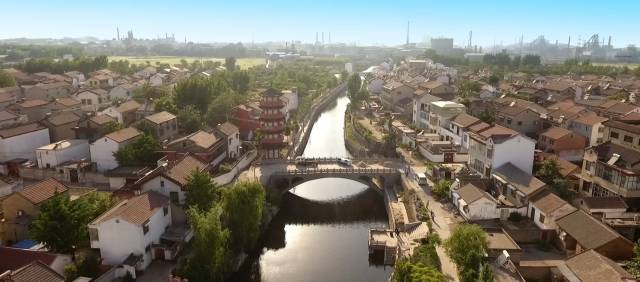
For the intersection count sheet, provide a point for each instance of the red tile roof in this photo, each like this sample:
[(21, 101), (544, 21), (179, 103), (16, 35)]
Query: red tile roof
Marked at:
[(43, 190), (136, 210), (13, 258)]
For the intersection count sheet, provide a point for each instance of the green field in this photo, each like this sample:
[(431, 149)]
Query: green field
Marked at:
[(243, 63), (629, 65)]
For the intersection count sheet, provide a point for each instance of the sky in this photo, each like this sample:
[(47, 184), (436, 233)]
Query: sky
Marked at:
[(369, 22)]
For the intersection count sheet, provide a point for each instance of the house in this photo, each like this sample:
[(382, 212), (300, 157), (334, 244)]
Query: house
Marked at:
[(500, 241), (438, 89), (157, 79), (459, 128), (100, 81), (516, 187), (17, 262), (170, 180), (232, 135), (622, 132), (123, 91), (496, 146), (559, 91), (122, 176), (8, 119), (35, 110), (21, 207), (579, 232), (11, 91), (34, 271), (421, 109), (66, 105), (535, 95), (146, 109), (442, 152), (93, 100), (127, 233), (610, 170), (76, 77), (61, 125), (60, 152), (124, 113), (545, 208), (474, 203), (440, 115), (91, 126), (393, 93), (519, 118), (375, 85), (49, 91), (562, 142), (590, 266), (206, 146), (590, 127), (163, 125), (21, 141), (103, 148), (146, 72), (247, 118)]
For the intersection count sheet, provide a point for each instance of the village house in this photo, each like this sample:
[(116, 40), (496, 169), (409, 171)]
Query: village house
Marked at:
[(544, 209), (532, 94), (21, 141), (590, 127), (65, 105), (519, 118), (11, 91), (516, 187), (60, 152), (158, 79), (590, 266), (94, 99), (103, 148), (579, 232), (130, 233), (163, 125), (61, 125), (20, 208), (231, 133), (562, 142), (559, 91), (100, 81), (124, 113), (146, 72), (496, 146), (8, 119), (610, 170), (437, 88), (206, 146), (474, 203), (77, 78), (123, 91), (92, 127), (20, 264), (35, 110), (395, 95), (146, 109), (421, 109), (49, 91), (7, 100), (440, 115), (459, 127)]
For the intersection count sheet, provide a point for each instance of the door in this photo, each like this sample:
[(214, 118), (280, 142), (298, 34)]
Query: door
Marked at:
[(448, 157), (159, 253), (73, 176)]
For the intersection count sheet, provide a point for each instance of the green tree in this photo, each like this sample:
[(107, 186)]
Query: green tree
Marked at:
[(220, 108), (230, 63), (405, 271), (112, 126), (6, 80), (210, 258), (240, 81), (633, 265), (549, 173), (202, 193), (166, 103), (243, 204), (466, 247), (442, 189), (143, 151), (190, 119), (344, 75), (493, 80), (466, 88), (636, 71), (487, 116)]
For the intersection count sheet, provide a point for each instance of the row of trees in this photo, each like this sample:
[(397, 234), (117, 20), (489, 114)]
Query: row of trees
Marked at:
[(423, 265), (83, 64), (6, 80), (226, 222)]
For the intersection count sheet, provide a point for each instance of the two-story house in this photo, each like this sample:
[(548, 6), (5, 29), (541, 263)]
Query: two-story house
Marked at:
[(440, 115), (590, 127), (123, 91), (519, 118), (460, 126), (61, 125), (232, 134), (92, 127), (163, 125), (35, 110), (516, 187), (124, 113), (102, 149), (20, 208), (49, 91), (206, 146), (496, 146), (60, 152), (421, 104), (544, 209), (21, 141), (562, 142), (94, 99), (395, 94)]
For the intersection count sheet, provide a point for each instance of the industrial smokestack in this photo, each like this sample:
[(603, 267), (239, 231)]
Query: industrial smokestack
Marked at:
[(408, 22), (118, 32), (609, 41)]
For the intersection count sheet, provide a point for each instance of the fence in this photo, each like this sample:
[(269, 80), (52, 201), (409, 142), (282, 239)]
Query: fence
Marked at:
[(338, 171), (238, 166)]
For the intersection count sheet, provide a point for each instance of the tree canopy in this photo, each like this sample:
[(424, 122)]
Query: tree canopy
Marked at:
[(142, 151), (6, 80), (466, 247), (202, 193), (242, 205)]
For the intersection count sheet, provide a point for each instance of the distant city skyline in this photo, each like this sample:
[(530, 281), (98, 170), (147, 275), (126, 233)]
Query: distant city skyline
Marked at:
[(360, 22)]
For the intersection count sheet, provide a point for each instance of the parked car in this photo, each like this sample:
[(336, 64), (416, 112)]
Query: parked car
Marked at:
[(421, 178), (344, 161)]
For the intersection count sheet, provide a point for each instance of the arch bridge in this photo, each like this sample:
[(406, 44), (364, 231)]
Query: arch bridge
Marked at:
[(284, 180)]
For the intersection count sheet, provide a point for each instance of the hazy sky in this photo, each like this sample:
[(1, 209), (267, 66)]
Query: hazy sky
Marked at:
[(361, 22)]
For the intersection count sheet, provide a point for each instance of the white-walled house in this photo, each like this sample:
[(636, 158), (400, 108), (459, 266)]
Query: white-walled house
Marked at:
[(103, 148), (94, 99), (290, 99), (157, 79), (546, 207), (232, 134), (54, 154), (474, 203), (22, 141), (128, 230), (498, 145), (123, 91), (421, 109)]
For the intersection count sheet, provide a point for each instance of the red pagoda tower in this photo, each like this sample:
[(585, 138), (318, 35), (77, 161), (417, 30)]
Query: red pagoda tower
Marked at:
[(272, 123)]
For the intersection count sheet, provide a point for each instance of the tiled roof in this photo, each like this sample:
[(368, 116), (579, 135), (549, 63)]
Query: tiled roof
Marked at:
[(160, 117), (182, 169), (43, 190), (33, 103), (128, 106), (523, 181), (123, 134), (479, 127), (6, 97), (590, 119), (62, 118), (628, 159), (200, 138), (36, 271), (68, 102), (271, 92), (6, 115), (604, 203), (621, 108), (590, 232), (470, 193), (633, 128), (497, 131), (136, 210), (102, 119), (555, 133), (228, 128), (14, 258), (548, 202), (590, 266), (21, 129)]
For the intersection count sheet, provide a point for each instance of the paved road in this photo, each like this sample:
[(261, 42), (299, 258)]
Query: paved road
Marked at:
[(443, 223)]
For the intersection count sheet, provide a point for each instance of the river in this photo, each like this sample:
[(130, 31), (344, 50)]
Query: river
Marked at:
[(320, 233)]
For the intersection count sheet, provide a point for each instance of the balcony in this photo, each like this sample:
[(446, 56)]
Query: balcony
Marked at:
[(276, 116), (272, 129), (271, 104), (273, 142)]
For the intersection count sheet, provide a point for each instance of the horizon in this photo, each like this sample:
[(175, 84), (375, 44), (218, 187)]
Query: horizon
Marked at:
[(384, 23)]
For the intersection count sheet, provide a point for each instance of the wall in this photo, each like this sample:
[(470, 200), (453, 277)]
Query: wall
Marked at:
[(482, 209), (517, 150), (23, 146), (10, 207), (239, 166), (56, 157), (102, 154), (155, 184)]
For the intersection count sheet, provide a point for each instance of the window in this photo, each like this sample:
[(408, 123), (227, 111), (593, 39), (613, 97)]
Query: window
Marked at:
[(165, 210), (147, 248), (174, 197), (519, 123), (508, 120), (628, 139), (93, 234), (541, 218), (613, 135), (145, 228), (162, 183)]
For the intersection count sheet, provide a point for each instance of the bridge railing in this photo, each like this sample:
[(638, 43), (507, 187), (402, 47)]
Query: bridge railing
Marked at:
[(331, 160), (291, 172)]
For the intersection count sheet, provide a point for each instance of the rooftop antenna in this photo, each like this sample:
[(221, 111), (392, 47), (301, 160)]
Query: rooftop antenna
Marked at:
[(408, 23)]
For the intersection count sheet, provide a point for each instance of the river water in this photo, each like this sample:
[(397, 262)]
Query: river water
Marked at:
[(320, 233)]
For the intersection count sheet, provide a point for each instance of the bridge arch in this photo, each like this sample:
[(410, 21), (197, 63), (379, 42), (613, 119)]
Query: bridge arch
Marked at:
[(286, 180)]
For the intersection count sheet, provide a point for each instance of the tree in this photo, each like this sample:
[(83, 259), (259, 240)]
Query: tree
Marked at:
[(142, 151), (202, 193), (190, 119), (344, 75), (636, 71), (209, 260), (243, 204), (466, 247), (549, 173), (442, 189), (466, 88), (633, 265), (240, 82), (220, 108), (487, 117), (230, 63), (166, 103), (531, 60), (493, 80), (405, 271), (112, 126), (6, 80)]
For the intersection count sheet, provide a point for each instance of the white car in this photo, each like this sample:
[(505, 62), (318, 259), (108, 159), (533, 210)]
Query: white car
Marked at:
[(344, 161)]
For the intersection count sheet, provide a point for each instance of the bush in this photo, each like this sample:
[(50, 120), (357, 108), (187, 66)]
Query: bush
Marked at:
[(225, 167), (70, 272)]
